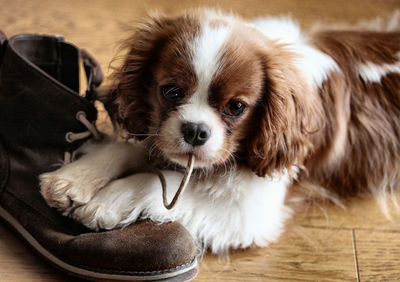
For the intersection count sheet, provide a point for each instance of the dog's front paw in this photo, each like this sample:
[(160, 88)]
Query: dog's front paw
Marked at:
[(119, 203), (54, 190), (64, 190)]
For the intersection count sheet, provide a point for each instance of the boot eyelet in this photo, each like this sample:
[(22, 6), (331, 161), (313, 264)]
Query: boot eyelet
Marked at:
[(68, 137)]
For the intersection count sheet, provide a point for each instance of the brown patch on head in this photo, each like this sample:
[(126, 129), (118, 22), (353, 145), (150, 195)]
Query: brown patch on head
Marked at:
[(173, 68), (273, 133), (239, 78), (278, 131), (160, 41)]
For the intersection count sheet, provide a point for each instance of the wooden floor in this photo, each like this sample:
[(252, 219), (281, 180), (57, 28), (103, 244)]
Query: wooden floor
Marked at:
[(326, 243)]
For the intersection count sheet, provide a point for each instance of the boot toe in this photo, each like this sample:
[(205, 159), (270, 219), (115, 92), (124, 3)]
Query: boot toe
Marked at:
[(144, 248)]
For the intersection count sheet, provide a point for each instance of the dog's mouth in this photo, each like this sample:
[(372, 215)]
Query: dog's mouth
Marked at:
[(182, 158), (178, 152)]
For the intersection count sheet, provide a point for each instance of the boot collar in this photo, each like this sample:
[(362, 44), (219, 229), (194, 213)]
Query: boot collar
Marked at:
[(27, 46)]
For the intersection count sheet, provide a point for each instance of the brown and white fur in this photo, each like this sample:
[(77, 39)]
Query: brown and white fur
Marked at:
[(281, 106)]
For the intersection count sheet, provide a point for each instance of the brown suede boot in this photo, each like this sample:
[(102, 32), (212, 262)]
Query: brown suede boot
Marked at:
[(39, 102)]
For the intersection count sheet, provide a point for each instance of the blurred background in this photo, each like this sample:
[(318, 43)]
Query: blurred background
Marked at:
[(98, 25), (323, 247)]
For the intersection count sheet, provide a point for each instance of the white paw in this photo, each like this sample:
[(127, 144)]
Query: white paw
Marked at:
[(119, 203), (64, 190)]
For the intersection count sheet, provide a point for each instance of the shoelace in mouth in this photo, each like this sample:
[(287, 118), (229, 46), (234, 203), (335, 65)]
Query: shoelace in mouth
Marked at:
[(182, 186)]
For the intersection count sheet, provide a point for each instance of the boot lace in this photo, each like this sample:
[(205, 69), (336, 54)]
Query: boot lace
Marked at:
[(72, 136)]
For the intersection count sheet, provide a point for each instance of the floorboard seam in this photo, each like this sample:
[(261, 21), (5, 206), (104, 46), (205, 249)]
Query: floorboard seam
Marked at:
[(353, 236)]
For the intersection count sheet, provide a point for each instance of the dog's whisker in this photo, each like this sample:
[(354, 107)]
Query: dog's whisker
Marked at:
[(141, 134)]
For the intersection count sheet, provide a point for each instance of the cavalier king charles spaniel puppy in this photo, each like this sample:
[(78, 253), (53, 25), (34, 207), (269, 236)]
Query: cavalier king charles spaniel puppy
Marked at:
[(261, 105)]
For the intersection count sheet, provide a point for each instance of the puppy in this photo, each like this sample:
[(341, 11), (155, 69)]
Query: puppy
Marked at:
[(261, 105)]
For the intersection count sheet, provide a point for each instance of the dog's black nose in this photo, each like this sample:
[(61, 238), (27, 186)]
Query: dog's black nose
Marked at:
[(195, 134)]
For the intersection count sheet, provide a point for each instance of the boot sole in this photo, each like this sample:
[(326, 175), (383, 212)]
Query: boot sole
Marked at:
[(186, 272)]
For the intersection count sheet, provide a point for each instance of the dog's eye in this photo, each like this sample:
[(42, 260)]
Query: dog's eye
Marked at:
[(234, 108), (172, 93)]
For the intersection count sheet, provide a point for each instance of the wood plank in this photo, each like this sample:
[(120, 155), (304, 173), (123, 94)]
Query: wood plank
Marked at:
[(378, 255), (309, 254), (361, 213)]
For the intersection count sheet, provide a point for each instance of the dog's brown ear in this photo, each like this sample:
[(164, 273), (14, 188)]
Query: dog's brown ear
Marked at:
[(285, 116), (132, 80)]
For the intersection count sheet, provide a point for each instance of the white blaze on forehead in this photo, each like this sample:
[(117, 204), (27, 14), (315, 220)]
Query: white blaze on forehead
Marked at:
[(207, 50)]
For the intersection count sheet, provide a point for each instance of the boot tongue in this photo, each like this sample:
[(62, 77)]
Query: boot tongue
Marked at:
[(52, 55)]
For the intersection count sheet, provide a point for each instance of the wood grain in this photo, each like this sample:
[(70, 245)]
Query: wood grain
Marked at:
[(378, 255), (318, 245), (363, 213), (306, 255)]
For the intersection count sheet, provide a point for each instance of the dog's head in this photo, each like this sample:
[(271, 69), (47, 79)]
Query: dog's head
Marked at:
[(211, 85)]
